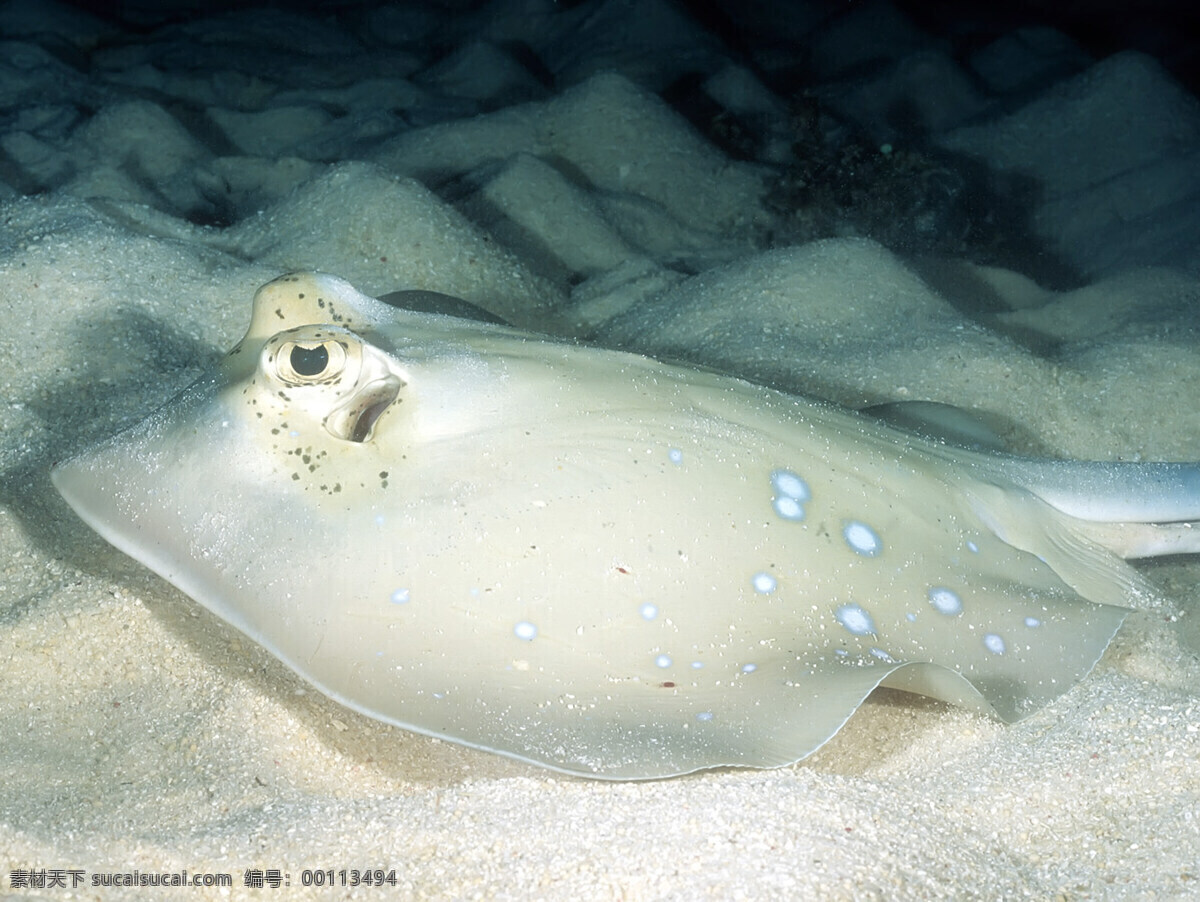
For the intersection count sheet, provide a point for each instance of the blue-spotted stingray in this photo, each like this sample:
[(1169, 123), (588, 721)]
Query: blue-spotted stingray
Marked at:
[(602, 563)]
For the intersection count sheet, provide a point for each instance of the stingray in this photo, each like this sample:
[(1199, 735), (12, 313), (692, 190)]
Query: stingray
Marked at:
[(602, 563)]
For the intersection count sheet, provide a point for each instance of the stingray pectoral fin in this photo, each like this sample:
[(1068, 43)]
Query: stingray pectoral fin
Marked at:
[(943, 423), (444, 304), (744, 725), (1069, 546), (942, 683)]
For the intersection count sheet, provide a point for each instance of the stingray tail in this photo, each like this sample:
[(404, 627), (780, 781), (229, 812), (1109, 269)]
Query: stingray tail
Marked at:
[(1133, 510)]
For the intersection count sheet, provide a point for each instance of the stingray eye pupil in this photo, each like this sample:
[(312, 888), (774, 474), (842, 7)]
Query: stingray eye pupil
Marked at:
[(309, 361)]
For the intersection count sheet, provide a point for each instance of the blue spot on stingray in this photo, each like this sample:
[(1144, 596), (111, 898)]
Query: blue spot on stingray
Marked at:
[(972, 547), (704, 716), (764, 583), (294, 433), (400, 596), (1032, 622), (994, 644), (697, 665), (525, 630), (862, 539), (788, 508), (945, 601), (662, 661), (910, 617), (790, 494), (789, 485), (675, 456), (883, 655), (648, 611), (749, 668), (855, 619)]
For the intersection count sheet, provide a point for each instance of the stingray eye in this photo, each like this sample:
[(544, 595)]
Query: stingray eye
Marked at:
[(307, 362)]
